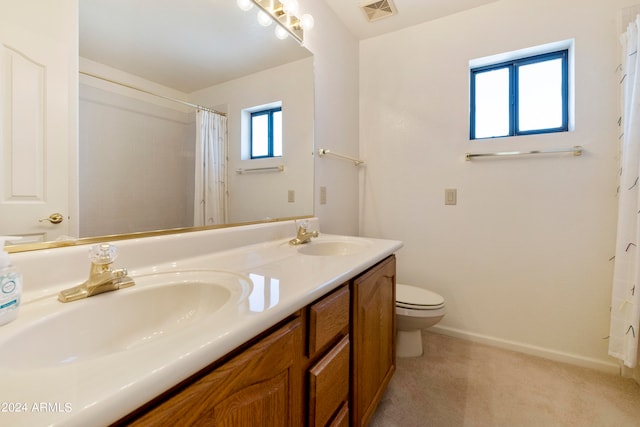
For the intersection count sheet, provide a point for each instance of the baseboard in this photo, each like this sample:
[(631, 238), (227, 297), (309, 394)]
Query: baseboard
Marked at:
[(631, 373), (546, 353)]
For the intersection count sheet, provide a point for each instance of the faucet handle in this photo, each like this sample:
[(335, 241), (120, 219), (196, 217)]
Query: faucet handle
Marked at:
[(102, 254)]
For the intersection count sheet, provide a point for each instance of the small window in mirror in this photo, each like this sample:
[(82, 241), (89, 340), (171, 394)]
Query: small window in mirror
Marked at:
[(266, 133)]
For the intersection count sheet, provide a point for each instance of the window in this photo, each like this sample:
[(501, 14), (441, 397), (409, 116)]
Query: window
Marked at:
[(266, 133), (520, 97)]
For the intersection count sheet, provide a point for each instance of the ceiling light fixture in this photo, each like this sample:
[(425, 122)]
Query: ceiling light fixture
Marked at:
[(245, 4), (284, 13), (264, 18)]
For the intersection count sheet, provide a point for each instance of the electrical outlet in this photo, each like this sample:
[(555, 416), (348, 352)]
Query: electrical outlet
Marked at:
[(292, 196)]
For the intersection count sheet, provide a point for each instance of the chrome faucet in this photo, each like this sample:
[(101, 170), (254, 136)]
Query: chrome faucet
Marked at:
[(303, 236), (101, 277)]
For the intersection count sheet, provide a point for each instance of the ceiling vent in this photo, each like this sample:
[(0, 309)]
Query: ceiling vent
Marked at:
[(378, 9)]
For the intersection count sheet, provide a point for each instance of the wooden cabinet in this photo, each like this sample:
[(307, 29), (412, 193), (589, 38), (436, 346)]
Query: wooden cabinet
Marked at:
[(328, 319), (329, 357), (327, 365), (373, 338), (342, 419), (261, 386), (329, 385)]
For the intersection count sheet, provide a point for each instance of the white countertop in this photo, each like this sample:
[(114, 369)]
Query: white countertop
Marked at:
[(100, 391)]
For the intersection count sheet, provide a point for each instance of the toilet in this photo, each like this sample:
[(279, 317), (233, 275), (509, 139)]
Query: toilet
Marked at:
[(416, 309)]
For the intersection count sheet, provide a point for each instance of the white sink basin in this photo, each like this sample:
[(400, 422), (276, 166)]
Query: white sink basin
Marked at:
[(158, 306), (332, 248)]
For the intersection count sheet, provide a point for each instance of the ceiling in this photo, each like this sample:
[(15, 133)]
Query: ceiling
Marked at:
[(193, 44), (409, 13), (182, 44)]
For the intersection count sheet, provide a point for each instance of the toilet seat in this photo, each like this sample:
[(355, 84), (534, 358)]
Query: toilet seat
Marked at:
[(414, 298)]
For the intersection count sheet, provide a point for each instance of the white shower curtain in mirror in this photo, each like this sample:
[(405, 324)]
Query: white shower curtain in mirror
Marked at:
[(625, 301), (210, 169)]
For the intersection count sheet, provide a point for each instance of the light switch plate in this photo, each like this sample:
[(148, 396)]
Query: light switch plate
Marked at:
[(450, 196), (323, 195)]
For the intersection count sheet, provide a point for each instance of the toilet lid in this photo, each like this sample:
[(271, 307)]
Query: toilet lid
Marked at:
[(413, 296)]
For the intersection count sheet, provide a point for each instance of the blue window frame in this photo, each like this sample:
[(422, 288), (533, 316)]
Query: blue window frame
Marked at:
[(266, 133), (520, 97)]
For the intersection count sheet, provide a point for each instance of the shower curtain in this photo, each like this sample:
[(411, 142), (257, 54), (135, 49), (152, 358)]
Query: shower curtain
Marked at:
[(625, 302), (210, 169)]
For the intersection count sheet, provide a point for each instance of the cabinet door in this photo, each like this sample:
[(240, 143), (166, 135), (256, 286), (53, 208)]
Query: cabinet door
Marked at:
[(259, 387), (373, 338)]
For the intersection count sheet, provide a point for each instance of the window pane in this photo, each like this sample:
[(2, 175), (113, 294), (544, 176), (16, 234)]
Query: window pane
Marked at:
[(260, 135), (277, 133), (492, 103), (540, 95)]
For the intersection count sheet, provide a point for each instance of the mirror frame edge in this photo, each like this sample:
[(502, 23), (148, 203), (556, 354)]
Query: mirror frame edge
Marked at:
[(28, 247)]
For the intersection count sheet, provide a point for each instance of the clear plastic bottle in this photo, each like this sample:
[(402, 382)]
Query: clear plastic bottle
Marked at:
[(10, 286)]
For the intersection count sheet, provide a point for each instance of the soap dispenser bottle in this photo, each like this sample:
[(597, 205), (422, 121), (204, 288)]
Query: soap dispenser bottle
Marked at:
[(10, 286)]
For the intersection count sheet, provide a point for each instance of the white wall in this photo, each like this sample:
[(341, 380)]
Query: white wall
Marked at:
[(336, 117), (137, 151), (140, 157), (261, 195), (523, 258)]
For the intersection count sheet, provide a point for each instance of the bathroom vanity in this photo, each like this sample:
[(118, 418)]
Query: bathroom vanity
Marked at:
[(303, 335), (298, 372)]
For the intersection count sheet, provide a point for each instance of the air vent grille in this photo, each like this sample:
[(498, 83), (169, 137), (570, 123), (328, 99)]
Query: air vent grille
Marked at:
[(378, 9)]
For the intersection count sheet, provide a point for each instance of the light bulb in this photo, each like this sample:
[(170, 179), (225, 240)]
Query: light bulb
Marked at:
[(281, 33), (306, 22), (245, 4), (264, 19), (290, 7)]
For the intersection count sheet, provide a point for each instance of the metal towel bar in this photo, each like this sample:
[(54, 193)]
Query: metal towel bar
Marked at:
[(323, 151), (279, 168), (576, 150)]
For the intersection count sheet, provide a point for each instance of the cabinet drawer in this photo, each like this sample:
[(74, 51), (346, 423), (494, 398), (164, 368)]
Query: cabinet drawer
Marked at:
[(329, 384), (342, 418), (328, 319)]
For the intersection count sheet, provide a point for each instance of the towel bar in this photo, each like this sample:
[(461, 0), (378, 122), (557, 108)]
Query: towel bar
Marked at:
[(576, 150)]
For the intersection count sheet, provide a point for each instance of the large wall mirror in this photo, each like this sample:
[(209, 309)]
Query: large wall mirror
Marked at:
[(143, 67)]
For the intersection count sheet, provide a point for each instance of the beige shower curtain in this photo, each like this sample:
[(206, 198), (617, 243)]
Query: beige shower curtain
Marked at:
[(210, 205)]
